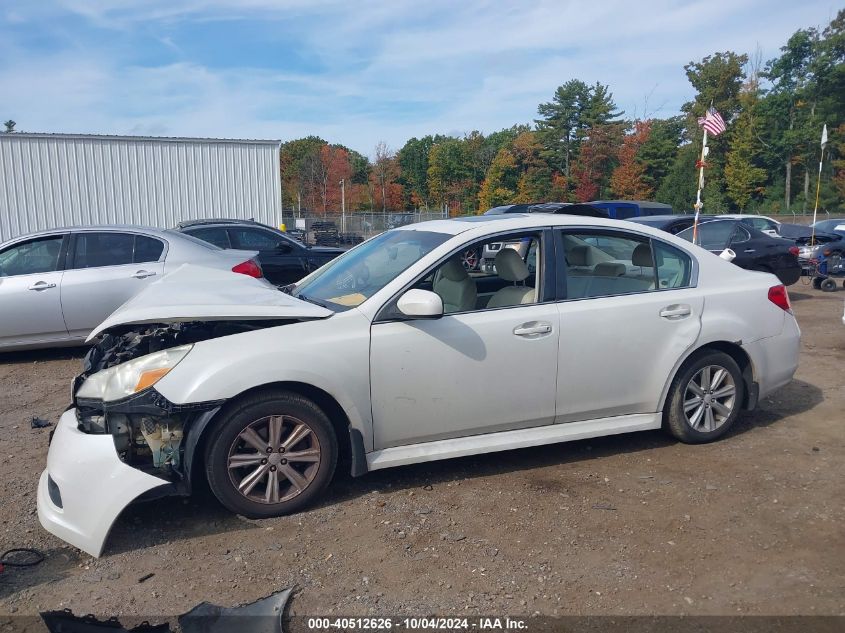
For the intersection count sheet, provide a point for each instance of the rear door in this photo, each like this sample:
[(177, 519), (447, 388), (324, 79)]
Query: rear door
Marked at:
[(30, 281), (283, 260), (106, 269), (624, 323)]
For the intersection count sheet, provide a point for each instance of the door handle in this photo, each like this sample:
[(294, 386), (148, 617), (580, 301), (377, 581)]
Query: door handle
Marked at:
[(143, 274), (532, 329), (675, 312), (748, 250), (41, 285)]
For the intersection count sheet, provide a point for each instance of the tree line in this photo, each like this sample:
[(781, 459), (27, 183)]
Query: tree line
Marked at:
[(581, 147)]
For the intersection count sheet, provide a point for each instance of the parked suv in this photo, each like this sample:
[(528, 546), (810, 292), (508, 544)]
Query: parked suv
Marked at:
[(284, 260)]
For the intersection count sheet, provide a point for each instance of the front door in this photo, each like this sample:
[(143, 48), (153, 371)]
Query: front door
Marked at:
[(30, 283), (489, 364), (624, 323)]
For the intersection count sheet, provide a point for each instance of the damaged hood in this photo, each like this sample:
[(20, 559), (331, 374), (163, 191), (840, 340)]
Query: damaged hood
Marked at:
[(197, 293)]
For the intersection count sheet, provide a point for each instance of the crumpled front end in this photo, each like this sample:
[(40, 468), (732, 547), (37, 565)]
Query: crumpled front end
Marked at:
[(86, 486)]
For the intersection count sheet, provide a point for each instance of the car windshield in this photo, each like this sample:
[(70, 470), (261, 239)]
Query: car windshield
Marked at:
[(358, 274)]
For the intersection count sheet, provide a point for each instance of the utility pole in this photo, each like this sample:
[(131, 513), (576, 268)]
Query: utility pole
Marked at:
[(343, 205)]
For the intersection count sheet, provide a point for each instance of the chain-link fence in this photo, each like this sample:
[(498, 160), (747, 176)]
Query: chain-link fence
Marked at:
[(354, 227)]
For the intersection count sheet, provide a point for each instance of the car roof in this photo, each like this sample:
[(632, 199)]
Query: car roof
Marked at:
[(203, 221), (516, 221), (132, 228)]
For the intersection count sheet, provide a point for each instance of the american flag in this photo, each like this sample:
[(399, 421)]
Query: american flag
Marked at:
[(712, 122)]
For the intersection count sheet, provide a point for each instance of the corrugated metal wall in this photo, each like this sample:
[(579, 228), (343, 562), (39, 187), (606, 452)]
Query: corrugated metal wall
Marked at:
[(51, 180)]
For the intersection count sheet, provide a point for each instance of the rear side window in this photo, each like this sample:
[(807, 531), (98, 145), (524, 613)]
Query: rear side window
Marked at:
[(94, 250), (216, 236), (254, 239), (674, 267), (31, 257), (714, 236), (147, 249)]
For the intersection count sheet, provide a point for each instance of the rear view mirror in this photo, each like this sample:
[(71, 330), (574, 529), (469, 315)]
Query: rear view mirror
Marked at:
[(420, 304), (283, 247)]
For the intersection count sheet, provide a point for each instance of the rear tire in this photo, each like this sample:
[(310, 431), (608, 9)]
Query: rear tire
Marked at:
[(705, 398), (271, 454)]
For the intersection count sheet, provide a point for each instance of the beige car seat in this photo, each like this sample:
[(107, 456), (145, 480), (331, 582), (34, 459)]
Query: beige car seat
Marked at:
[(510, 267), (455, 287)]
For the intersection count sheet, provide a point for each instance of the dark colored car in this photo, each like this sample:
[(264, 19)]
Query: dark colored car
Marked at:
[(568, 208), (754, 249), (673, 224), (814, 243), (836, 225), (624, 209), (283, 259)]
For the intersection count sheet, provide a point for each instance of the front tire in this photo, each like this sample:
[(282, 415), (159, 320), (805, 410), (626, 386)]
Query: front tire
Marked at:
[(705, 398), (271, 454)]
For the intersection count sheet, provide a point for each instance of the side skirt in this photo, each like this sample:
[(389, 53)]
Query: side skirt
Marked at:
[(509, 440)]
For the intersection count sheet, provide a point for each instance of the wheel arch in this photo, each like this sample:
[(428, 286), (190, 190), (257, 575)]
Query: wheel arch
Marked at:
[(732, 349), (350, 440)]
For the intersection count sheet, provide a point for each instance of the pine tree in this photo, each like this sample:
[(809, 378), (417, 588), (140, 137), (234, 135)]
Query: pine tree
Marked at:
[(744, 180)]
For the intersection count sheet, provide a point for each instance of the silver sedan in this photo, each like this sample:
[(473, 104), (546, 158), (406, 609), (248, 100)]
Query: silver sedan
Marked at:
[(58, 285)]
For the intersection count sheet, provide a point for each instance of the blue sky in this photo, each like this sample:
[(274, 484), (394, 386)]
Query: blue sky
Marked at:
[(357, 72)]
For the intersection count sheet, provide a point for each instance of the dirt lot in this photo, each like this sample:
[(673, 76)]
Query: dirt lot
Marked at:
[(635, 524)]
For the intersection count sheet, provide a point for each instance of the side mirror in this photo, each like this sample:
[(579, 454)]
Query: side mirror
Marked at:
[(420, 304), (283, 247)]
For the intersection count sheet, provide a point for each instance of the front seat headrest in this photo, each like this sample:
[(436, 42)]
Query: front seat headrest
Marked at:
[(578, 256), (642, 256), (453, 270), (509, 265)]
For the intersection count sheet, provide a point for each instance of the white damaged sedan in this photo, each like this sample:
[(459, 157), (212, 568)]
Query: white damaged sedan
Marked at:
[(394, 354)]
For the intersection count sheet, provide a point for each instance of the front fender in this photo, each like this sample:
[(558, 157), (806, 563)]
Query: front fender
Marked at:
[(331, 355)]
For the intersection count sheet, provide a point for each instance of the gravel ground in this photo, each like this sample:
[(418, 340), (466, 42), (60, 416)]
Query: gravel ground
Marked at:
[(632, 524)]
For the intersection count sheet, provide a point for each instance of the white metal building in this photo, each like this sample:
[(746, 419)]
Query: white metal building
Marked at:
[(51, 180)]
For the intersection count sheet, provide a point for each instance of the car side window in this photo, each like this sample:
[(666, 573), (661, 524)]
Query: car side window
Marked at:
[(502, 272), (94, 250), (212, 235), (714, 236), (600, 265), (147, 249), (40, 255), (740, 235), (674, 267), (254, 239)]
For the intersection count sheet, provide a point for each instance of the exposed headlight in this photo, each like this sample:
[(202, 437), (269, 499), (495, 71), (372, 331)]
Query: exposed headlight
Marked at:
[(132, 376)]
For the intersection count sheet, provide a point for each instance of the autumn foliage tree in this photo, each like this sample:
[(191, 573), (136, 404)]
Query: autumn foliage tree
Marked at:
[(628, 179)]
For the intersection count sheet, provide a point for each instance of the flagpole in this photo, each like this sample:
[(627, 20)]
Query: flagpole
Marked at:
[(698, 203), (818, 186)]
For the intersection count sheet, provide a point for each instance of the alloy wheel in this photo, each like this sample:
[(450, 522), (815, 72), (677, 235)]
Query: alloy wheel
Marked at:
[(710, 398), (274, 459)]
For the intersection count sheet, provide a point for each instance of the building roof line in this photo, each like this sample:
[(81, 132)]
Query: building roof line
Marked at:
[(153, 139)]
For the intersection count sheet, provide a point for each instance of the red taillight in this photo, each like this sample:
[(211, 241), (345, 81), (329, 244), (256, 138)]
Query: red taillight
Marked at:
[(793, 250), (249, 267), (779, 296)]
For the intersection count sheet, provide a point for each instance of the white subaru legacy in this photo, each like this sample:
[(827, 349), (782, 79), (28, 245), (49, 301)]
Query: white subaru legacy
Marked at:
[(394, 354)]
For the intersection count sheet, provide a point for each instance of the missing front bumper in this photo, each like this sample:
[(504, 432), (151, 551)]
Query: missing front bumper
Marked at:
[(93, 483)]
